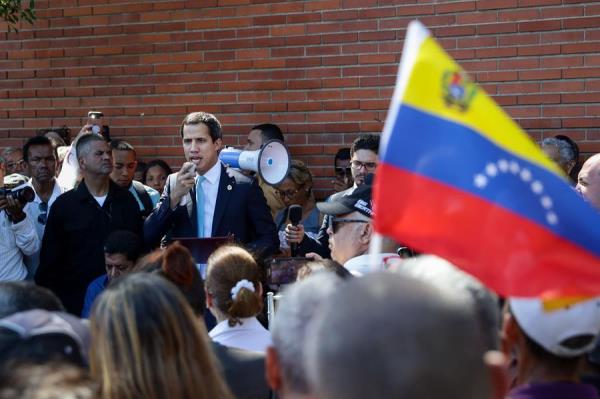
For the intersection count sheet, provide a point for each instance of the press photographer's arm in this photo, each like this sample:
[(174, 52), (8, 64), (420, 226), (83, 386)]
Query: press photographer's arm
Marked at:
[(12, 206)]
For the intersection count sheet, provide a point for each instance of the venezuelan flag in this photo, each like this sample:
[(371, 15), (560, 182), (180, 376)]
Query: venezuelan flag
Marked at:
[(460, 179)]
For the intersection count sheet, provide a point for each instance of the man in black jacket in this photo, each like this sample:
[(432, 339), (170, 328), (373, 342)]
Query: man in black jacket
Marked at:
[(81, 219)]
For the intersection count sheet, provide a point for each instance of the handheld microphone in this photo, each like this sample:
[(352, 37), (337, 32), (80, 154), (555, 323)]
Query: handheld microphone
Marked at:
[(295, 215)]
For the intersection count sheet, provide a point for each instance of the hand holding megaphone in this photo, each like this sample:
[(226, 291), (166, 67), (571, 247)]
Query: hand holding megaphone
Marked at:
[(184, 182), (271, 161)]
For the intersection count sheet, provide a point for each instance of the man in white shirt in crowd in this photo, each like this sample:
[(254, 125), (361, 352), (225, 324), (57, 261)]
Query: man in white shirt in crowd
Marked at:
[(17, 233), (40, 160)]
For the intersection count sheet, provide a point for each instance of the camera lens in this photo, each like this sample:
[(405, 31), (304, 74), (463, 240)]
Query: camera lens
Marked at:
[(96, 129)]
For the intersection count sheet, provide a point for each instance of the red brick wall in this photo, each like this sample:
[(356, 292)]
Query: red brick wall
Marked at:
[(323, 70)]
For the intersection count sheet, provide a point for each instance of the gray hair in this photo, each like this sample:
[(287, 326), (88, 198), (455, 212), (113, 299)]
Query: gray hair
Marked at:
[(9, 150), (565, 150), (299, 305), (445, 276), (388, 335)]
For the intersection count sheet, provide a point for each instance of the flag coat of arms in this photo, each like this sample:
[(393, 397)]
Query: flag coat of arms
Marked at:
[(459, 178)]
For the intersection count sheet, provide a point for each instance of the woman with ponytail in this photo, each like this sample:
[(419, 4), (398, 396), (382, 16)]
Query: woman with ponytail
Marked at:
[(234, 296), (176, 264)]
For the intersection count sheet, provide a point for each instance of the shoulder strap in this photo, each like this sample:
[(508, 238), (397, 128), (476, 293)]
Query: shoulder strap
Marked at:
[(143, 195)]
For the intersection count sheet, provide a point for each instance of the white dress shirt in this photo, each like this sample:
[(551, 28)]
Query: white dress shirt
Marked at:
[(32, 209), (250, 335), (16, 240), (210, 187)]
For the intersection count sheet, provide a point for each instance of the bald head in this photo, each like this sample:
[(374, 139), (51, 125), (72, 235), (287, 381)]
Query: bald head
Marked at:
[(387, 335), (588, 181)]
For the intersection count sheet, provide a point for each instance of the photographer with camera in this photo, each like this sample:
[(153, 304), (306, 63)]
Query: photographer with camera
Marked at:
[(17, 232)]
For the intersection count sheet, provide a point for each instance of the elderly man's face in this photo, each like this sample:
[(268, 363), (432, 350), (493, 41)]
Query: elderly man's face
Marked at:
[(345, 233), (588, 182), (15, 163)]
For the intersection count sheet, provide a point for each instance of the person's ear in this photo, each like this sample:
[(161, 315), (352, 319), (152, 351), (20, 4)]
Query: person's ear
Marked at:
[(366, 232), (218, 144), (497, 365), (260, 290), (209, 298), (509, 335), (272, 369), (570, 166)]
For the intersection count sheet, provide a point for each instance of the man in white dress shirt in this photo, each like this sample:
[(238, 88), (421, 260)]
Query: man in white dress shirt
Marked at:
[(41, 161), (17, 235)]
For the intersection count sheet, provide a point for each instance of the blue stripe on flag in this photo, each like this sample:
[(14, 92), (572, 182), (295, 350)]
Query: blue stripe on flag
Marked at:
[(459, 156)]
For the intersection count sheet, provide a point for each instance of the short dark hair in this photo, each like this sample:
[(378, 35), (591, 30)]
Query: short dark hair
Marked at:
[(64, 132), (83, 143), (365, 142), (156, 162), (341, 154), (124, 242), (122, 145), (269, 131), (20, 296), (211, 121), (37, 140)]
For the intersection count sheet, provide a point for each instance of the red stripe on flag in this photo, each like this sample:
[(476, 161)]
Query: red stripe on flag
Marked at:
[(510, 254)]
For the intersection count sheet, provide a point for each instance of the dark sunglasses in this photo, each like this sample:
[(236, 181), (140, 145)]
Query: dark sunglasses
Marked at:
[(43, 216), (334, 223)]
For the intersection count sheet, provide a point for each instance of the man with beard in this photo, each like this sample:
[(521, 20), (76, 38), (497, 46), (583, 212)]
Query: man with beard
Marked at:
[(72, 248), (207, 199)]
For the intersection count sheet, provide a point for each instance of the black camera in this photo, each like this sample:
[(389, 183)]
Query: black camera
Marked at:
[(23, 195)]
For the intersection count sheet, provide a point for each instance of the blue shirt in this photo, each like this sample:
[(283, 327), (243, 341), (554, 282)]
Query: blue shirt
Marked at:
[(554, 390), (93, 290)]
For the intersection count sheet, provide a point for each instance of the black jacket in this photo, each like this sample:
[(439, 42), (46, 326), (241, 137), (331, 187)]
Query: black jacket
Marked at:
[(72, 252), (241, 210)]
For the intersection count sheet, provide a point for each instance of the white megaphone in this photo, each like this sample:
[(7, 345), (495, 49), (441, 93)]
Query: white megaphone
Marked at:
[(271, 161)]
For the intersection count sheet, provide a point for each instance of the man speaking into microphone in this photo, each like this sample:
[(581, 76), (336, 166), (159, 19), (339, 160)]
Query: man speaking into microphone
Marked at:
[(207, 199)]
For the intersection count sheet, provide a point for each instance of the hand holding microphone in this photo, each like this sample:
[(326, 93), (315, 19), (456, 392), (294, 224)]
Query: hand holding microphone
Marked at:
[(294, 231), (184, 183)]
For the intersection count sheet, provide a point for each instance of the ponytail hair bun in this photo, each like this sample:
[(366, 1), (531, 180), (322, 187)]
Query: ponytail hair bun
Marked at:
[(178, 265), (233, 280)]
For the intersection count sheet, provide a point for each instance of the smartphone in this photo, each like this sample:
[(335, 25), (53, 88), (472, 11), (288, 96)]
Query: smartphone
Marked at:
[(284, 270), (95, 119)]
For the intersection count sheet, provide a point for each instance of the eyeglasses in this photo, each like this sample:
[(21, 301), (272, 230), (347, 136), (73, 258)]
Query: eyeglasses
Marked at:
[(43, 216), (11, 165), (334, 223), (366, 165), (288, 193)]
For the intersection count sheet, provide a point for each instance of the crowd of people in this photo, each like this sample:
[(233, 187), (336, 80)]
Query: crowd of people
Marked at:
[(102, 296)]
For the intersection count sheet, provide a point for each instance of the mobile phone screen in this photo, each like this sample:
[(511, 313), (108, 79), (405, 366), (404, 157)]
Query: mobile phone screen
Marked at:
[(284, 270)]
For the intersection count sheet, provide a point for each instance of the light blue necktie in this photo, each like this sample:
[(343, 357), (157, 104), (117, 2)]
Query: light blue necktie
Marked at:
[(200, 205)]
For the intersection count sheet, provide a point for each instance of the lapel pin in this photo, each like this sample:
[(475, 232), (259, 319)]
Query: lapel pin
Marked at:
[(229, 188)]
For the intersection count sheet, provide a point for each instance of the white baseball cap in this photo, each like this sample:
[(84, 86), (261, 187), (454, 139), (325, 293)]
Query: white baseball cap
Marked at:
[(552, 329)]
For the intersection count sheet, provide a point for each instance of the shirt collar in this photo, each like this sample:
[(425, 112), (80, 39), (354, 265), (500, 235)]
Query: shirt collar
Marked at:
[(56, 191), (213, 174), (248, 323)]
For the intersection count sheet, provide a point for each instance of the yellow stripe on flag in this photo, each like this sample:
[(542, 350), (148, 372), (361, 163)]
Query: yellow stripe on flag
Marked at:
[(551, 305), (425, 91)]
